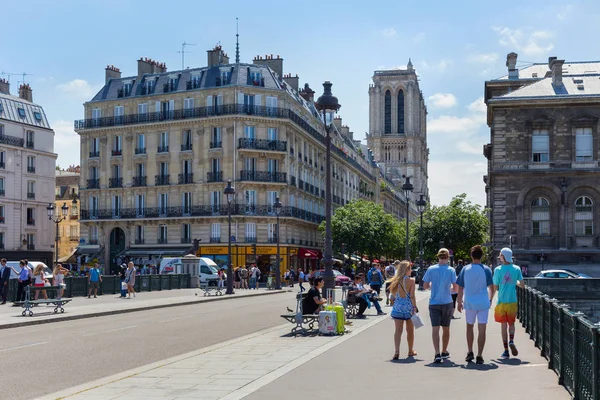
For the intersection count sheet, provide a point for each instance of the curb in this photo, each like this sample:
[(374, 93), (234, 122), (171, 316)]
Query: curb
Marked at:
[(130, 310)]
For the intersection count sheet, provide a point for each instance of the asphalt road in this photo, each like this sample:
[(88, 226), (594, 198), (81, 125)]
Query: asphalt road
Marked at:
[(61, 355)]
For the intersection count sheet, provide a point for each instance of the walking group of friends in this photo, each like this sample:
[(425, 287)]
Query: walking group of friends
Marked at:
[(475, 287), (246, 277)]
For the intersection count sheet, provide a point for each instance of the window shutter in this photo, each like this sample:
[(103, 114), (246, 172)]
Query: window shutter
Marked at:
[(584, 145), (540, 144)]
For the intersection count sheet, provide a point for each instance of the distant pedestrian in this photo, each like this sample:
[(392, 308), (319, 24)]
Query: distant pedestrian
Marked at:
[(94, 279), (301, 280), (440, 278), (292, 277), (221, 275), (402, 293), (506, 278), (130, 279), (254, 277), (475, 291), (39, 280), (390, 271), (244, 274), (59, 280), (4, 279), (375, 278)]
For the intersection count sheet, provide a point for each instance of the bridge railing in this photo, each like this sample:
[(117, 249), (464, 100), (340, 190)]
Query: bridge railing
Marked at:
[(567, 339)]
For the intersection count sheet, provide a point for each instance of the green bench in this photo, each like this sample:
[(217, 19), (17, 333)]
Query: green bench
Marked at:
[(28, 304)]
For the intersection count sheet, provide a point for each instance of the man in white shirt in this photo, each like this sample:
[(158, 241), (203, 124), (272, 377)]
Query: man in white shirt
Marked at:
[(301, 280)]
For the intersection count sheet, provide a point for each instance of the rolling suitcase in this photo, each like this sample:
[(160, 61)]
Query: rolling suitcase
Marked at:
[(327, 323), (340, 319)]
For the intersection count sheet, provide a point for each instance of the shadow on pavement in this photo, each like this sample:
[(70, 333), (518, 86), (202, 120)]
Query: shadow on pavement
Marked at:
[(443, 364), (511, 361), (407, 360), (479, 367)]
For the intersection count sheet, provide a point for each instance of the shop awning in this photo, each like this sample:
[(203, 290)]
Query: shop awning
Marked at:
[(173, 251), (68, 259), (88, 249), (309, 253)]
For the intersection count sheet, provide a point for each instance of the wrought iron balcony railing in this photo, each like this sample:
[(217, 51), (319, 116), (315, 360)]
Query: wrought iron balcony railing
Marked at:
[(263, 176), (115, 182), (262, 144), (161, 180), (93, 183), (185, 179), (214, 176), (139, 181)]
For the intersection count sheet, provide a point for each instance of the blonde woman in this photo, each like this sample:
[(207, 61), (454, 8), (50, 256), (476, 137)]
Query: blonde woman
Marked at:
[(39, 280), (59, 279), (402, 294)]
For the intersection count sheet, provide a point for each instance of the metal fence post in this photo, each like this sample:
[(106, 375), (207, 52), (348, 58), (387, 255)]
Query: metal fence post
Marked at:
[(561, 334), (160, 278), (551, 348), (576, 323), (171, 281), (595, 365)]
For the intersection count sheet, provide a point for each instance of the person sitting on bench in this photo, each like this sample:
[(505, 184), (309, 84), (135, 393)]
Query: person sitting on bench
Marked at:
[(312, 302), (364, 297)]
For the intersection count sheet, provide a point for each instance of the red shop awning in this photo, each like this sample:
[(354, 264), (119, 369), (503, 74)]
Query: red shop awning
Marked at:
[(309, 253)]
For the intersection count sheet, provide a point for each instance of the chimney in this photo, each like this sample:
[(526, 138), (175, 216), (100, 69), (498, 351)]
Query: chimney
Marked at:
[(511, 63), (111, 72), (276, 64), (307, 93), (337, 121), (4, 86), (556, 67), (217, 56), (293, 81), (149, 66), (25, 92)]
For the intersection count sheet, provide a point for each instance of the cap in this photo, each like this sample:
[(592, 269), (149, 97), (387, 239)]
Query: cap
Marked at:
[(443, 253), (507, 254)]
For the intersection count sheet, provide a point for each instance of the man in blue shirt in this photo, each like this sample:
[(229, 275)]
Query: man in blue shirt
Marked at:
[(94, 279), (440, 278), (475, 284), (24, 279)]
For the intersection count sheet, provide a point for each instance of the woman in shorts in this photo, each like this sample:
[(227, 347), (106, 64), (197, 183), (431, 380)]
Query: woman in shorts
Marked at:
[(404, 306)]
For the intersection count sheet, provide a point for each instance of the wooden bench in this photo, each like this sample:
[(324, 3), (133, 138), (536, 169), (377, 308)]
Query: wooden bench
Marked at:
[(28, 304), (210, 290)]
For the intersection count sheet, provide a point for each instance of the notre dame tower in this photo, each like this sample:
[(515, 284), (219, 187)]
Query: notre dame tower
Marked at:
[(397, 127)]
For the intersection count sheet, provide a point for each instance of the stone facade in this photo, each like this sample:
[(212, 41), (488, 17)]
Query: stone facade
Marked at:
[(543, 177), (67, 193), (27, 162), (398, 127), (157, 156)]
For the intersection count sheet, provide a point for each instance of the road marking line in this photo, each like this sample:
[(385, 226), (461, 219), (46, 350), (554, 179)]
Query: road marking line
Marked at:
[(24, 346), (174, 319), (112, 330)]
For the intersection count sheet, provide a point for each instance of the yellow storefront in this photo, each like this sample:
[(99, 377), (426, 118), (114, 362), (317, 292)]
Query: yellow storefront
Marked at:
[(245, 254)]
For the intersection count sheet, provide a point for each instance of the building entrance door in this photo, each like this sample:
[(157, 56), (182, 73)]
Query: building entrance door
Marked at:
[(117, 245)]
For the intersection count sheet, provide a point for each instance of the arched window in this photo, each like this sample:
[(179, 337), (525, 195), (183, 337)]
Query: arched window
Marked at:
[(388, 112), (400, 111), (540, 217), (584, 216)]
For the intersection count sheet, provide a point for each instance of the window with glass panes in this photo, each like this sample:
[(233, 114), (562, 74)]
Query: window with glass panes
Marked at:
[(584, 144), (540, 217), (584, 216), (540, 145)]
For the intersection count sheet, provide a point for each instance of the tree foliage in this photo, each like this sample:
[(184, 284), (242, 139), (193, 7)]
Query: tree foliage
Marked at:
[(460, 225)]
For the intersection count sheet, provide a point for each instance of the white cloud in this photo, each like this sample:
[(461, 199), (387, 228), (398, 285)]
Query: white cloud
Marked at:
[(478, 106), (564, 13), (442, 100), (525, 40), (485, 58), (439, 66), (469, 148), (78, 89), (450, 177), (66, 143), (419, 37), (389, 32), (451, 124)]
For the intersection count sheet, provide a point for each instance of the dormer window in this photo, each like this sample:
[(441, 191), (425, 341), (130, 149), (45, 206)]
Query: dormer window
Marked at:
[(37, 115), (171, 84), (125, 91), (256, 78), (21, 112), (226, 77), (149, 86)]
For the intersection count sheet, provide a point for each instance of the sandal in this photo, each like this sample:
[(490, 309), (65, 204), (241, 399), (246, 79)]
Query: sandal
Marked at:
[(396, 356), (412, 353)]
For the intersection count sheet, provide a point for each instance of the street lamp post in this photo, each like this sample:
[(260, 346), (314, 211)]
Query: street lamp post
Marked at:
[(57, 220), (229, 193), (327, 103), (407, 188), (421, 204), (278, 206)]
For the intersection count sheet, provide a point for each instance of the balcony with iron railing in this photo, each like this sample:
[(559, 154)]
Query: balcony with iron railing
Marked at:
[(29, 144), (31, 246), (263, 176), (139, 181), (161, 180), (93, 183), (262, 144), (115, 182), (2, 165), (185, 179), (73, 238), (148, 89), (30, 195), (93, 240), (2, 192), (214, 176), (186, 147), (116, 152), (95, 154), (250, 239), (31, 169), (140, 150), (162, 149), (11, 140), (31, 221), (216, 145), (1, 219)]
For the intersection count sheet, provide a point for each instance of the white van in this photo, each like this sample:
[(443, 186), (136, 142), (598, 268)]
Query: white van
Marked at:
[(207, 268), (32, 264)]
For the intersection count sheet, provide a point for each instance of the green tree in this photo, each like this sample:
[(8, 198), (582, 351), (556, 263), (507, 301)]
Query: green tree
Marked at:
[(460, 225)]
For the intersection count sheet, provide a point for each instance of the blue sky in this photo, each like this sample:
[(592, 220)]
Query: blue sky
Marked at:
[(454, 46)]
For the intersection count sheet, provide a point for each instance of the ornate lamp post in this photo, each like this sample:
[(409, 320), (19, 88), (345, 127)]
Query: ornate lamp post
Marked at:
[(421, 205), (327, 103), (229, 193), (407, 188), (278, 206), (57, 220)]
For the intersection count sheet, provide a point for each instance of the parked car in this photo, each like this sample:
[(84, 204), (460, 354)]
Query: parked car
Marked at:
[(561, 273), (340, 279)]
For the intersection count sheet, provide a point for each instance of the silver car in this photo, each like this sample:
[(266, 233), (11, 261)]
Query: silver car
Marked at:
[(561, 273)]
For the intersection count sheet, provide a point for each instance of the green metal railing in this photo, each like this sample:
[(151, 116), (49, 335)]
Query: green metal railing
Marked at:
[(111, 284), (568, 340)]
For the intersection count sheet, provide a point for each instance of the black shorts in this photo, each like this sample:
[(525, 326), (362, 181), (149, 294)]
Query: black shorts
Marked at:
[(440, 314)]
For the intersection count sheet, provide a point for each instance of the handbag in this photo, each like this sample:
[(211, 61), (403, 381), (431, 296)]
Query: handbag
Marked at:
[(417, 321)]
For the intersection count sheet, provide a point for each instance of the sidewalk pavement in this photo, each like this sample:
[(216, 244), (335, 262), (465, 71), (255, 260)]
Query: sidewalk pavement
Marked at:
[(353, 366), (108, 304)]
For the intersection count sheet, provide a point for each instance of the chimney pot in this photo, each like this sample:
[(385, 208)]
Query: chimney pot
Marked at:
[(556, 67), (511, 63), (4, 86), (25, 92)]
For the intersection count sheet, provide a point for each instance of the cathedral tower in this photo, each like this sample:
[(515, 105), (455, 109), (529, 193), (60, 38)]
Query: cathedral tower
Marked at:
[(397, 127)]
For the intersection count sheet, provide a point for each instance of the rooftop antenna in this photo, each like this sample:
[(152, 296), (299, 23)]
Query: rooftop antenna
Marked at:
[(183, 53), (9, 74), (237, 42)]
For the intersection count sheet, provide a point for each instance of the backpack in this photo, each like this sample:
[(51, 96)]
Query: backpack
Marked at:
[(390, 271), (375, 277)]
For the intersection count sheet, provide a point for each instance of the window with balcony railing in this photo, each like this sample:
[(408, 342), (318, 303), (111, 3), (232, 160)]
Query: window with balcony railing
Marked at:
[(31, 221), (216, 145), (186, 179), (160, 180), (30, 195), (93, 183), (186, 240), (214, 176), (139, 241), (162, 241), (163, 149), (31, 169), (31, 246), (139, 181), (115, 182), (140, 150), (186, 147)]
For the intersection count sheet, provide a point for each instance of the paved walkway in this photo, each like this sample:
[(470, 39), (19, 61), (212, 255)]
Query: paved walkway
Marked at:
[(82, 307), (354, 366)]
